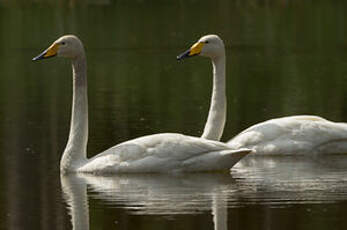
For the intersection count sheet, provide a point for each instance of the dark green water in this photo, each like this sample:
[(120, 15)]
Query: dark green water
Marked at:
[(283, 58)]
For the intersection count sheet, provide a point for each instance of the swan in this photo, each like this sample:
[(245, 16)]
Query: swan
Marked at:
[(213, 47), (294, 135), (160, 153), (287, 135)]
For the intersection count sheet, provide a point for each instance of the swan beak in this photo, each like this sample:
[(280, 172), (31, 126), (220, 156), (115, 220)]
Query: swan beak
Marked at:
[(194, 50), (50, 52)]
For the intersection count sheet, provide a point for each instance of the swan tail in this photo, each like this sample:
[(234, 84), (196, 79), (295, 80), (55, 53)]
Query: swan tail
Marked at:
[(241, 152), (216, 161)]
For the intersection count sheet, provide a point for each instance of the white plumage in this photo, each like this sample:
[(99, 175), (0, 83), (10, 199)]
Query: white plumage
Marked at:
[(154, 153), (212, 46), (302, 134), (167, 152)]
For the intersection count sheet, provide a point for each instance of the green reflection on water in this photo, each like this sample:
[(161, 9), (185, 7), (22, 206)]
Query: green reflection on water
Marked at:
[(283, 58)]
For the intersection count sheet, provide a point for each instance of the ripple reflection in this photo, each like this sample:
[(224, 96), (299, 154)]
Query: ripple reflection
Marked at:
[(292, 180), (150, 194), (272, 181)]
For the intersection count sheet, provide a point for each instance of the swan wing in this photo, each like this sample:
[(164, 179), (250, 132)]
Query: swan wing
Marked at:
[(294, 135), (166, 152)]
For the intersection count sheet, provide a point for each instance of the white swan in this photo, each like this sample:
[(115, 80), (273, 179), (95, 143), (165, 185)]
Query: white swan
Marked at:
[(287, 135), (294, 135), (213, 47), (167, 152)]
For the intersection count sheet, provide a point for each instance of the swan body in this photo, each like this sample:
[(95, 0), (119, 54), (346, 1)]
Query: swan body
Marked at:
[(299, 135), (166, 152), (287, 135)]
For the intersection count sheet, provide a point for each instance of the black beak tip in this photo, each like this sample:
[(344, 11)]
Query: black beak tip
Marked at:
[(183, 55), (39, 57)]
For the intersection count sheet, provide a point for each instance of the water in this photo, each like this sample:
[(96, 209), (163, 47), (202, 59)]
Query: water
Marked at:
[(268, 192), (283, 58)]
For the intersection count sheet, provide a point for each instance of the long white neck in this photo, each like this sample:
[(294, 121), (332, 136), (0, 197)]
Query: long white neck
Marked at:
[(217, 114), (76, 148)]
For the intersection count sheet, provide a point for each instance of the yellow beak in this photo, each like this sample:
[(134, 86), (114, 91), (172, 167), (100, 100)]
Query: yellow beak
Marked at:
[(194, 50), (50, 52)]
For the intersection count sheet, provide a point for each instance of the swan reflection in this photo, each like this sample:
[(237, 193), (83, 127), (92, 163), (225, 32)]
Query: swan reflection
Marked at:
[(75, 195), (150, 194), (292, 180), (270, 181)]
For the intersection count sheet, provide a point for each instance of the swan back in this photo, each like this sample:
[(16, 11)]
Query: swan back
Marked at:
[(294, 135), (165, 153)]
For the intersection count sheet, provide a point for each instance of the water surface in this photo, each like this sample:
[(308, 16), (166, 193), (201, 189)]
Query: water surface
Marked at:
[(283, 58)]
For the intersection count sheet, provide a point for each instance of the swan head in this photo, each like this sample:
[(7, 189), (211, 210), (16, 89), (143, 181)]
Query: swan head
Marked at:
[(68, 46), (208, 46)]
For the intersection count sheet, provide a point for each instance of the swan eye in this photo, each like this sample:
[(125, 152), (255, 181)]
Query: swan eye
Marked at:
[(63, 43), (206, 42)]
